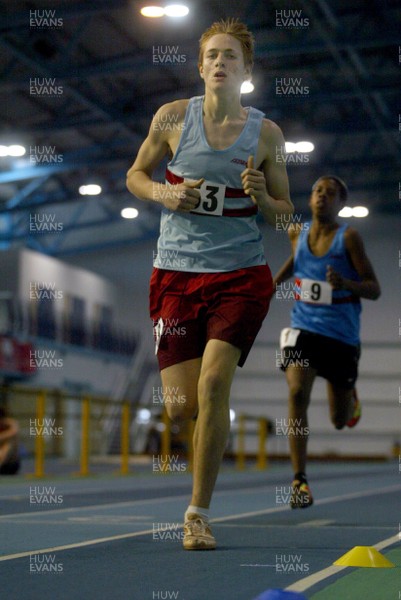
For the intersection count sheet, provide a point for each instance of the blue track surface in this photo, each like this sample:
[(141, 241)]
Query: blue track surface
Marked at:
[(125, 533)]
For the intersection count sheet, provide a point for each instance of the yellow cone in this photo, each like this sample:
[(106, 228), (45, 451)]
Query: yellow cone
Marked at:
[(363, 556)]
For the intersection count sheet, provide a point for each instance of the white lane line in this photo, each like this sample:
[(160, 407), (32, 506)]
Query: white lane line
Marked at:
[(257, 565), (316, 523), (307, 582), (76, 545), (39, 513), (330, 500), (245, 491), (131, 502), (333, 499)]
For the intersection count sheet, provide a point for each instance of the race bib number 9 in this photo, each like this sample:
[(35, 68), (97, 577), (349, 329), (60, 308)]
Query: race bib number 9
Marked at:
[(316, 292), (212, 199)]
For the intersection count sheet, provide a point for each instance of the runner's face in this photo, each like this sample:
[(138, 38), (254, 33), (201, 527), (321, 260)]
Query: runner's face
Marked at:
[(223, 63), (325, 200)]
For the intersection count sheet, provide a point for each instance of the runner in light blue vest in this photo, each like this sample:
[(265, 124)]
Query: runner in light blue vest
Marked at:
[(210, 279)]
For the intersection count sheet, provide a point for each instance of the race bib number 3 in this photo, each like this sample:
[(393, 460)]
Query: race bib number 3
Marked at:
[(316, 292), (212, 199)]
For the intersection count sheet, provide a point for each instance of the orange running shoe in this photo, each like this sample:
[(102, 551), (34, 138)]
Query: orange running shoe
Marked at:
[(301, 496)]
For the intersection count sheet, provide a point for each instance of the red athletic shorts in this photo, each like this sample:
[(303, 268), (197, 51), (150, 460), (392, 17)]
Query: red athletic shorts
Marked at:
[(188, 309)]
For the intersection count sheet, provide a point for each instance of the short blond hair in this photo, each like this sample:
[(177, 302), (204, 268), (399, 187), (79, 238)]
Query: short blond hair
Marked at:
[(232, 27)]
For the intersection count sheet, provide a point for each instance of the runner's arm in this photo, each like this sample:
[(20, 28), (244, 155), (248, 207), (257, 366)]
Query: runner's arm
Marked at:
[(271, 188), (369, 286), (184, 196), (287, 269), (285, 272), (10, 431)]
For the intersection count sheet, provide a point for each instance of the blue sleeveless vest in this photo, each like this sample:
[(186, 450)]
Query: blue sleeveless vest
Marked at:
[(341, 318)]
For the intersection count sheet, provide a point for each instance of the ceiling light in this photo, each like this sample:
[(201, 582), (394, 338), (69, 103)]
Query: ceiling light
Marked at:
[(304, 147), (90, 190), (176, 10), (290, 147), (13, 150), (152, 11), (345, 212), (360, 211), (16, 150), (354, 211), (247, 87), (129, 213)]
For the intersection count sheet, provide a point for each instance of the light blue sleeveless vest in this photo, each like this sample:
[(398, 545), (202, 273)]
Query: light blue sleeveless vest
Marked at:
[(203, 243)]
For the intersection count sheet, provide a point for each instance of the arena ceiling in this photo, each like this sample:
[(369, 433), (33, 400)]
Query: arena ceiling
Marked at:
[(79, 84)]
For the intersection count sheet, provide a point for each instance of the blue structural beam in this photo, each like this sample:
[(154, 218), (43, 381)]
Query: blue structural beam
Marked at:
[(25, 192)]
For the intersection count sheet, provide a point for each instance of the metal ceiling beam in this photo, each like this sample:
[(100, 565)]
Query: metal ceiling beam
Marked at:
[(65, 10), (49, 198), (269, 92), (370, 107), (356, 60), (24, 193), (141, 60), (66, 229), (72, 164), (39, 68)]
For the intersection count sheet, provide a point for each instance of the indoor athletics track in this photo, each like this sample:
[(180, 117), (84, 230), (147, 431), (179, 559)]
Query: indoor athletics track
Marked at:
[(119, 538)]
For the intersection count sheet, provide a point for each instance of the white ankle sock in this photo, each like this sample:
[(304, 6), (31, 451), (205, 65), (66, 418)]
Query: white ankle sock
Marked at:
[(203, 512)]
